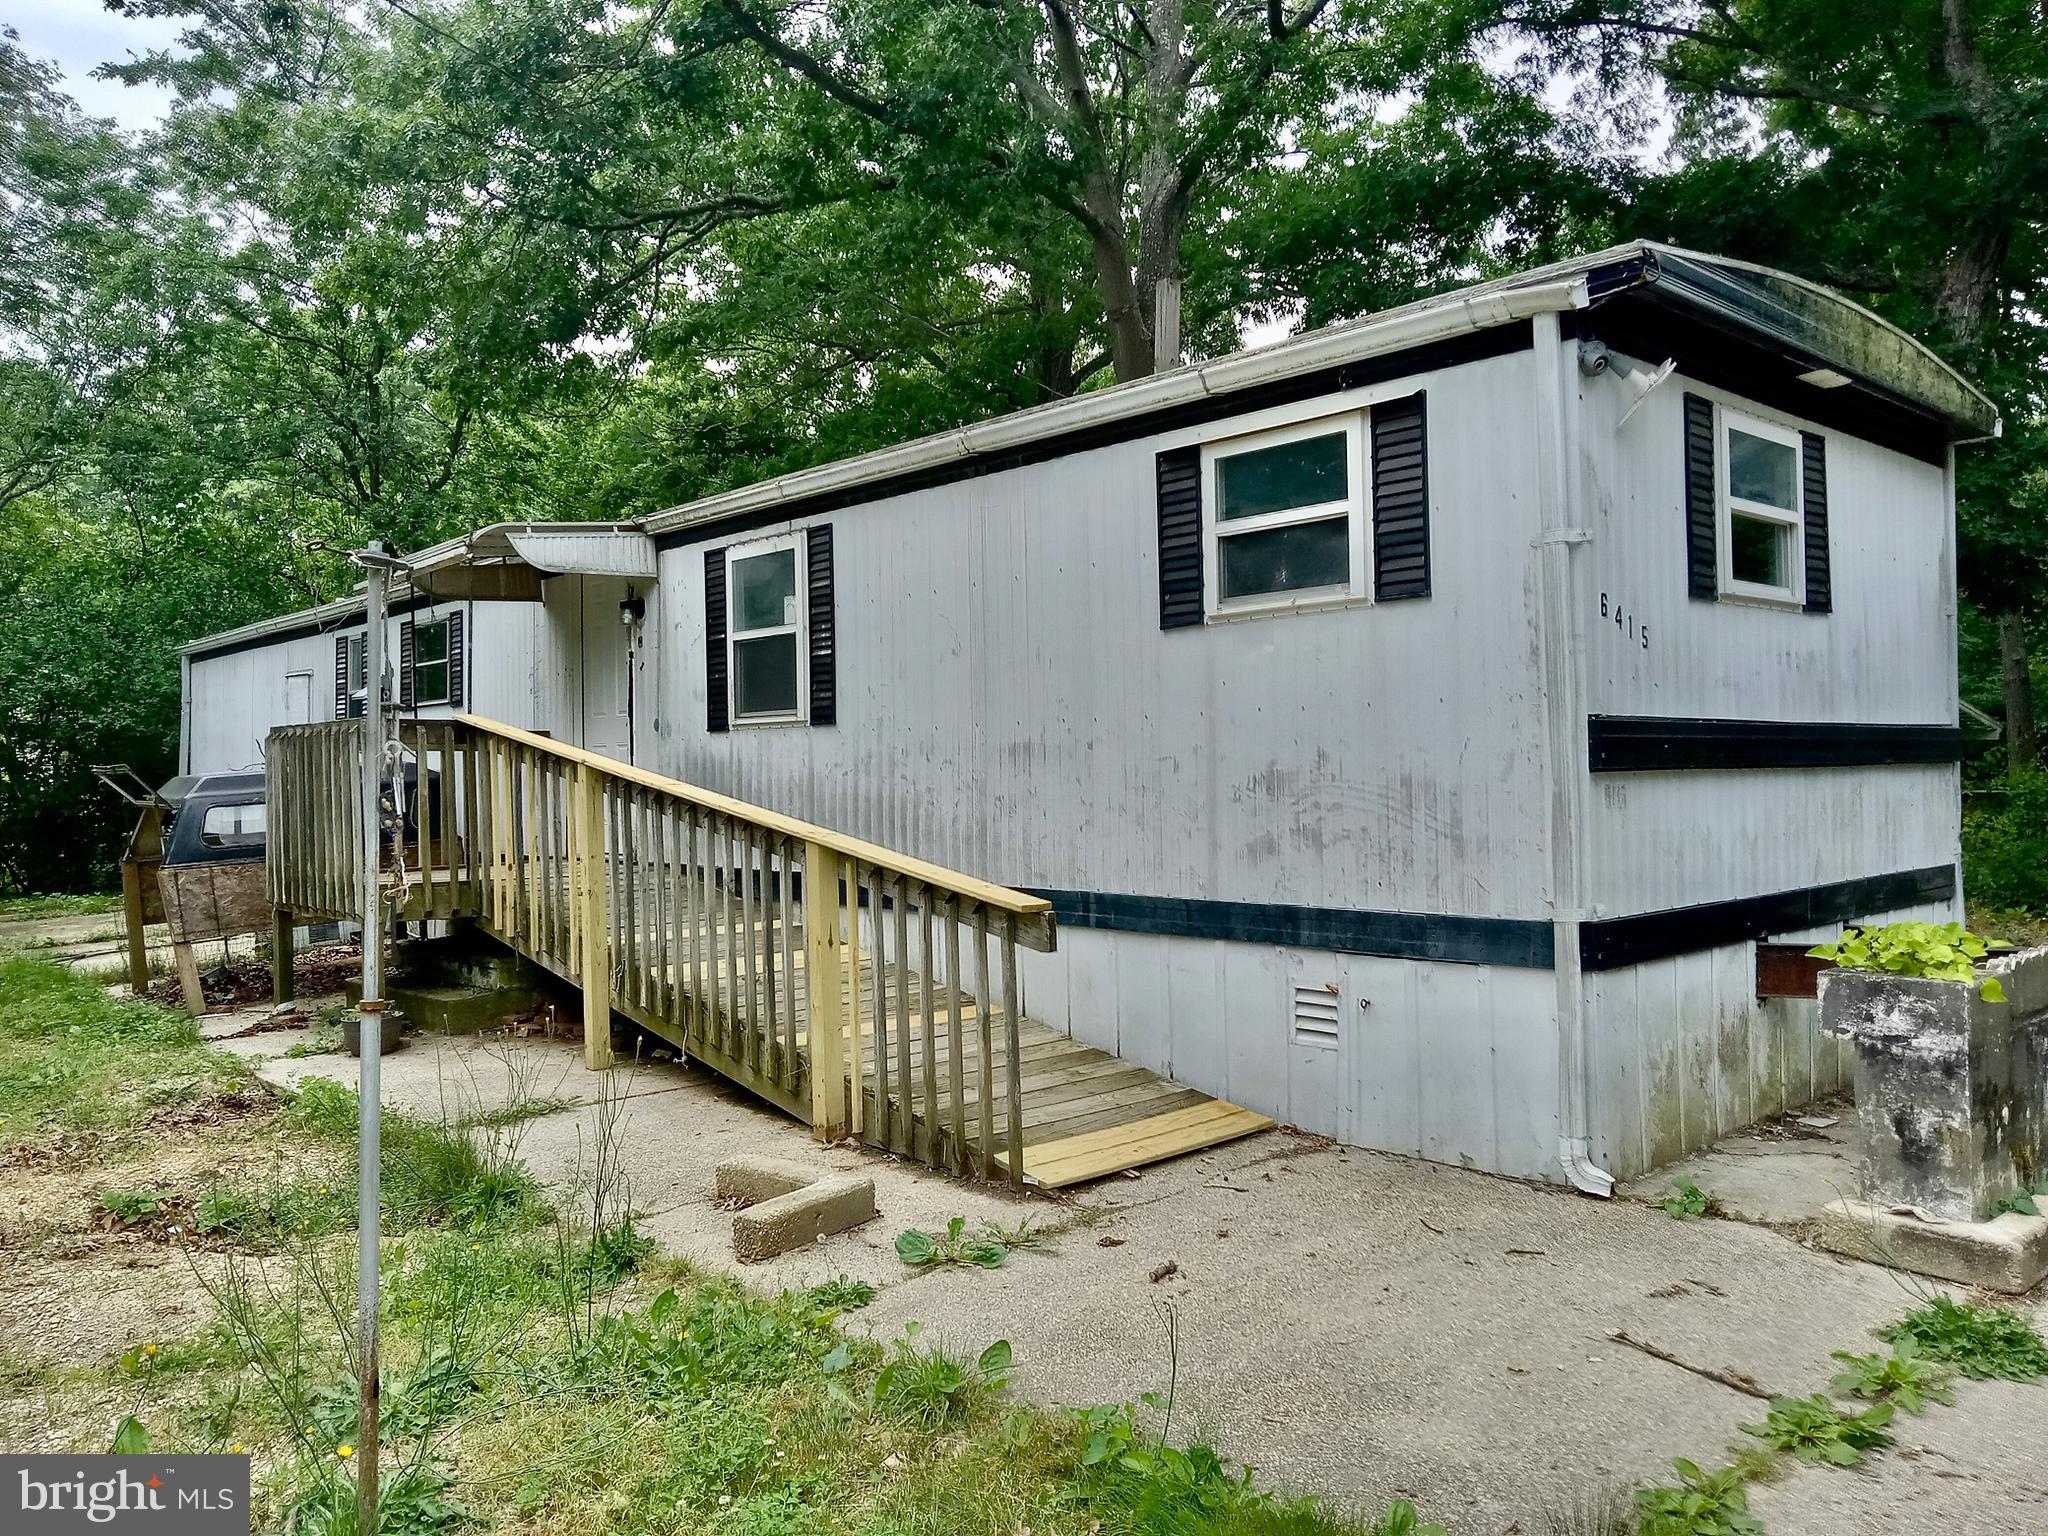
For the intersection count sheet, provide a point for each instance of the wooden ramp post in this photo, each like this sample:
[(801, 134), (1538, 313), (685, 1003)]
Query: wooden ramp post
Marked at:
[(592, 915), (138, 883), (283, 985), (824, 960)]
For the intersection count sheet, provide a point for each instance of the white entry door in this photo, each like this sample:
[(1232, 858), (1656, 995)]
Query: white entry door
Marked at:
[(607, 670)]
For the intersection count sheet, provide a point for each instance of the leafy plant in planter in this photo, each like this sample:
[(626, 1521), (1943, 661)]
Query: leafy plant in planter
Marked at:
[(1815, 1430), (1938, 951)]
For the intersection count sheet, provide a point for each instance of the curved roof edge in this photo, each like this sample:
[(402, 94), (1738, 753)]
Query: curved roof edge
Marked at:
[(1809, 318)]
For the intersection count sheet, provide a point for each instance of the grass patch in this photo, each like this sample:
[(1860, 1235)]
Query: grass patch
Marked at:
[(73, 1057), (28, 908), (681, 1403)]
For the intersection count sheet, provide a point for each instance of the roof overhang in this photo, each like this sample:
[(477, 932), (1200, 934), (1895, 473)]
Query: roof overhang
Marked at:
[(1832, 346), (505, 562), (508, 561)]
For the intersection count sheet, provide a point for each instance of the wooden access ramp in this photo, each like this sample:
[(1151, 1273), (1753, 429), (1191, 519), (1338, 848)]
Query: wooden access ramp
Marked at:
[(704, 919)]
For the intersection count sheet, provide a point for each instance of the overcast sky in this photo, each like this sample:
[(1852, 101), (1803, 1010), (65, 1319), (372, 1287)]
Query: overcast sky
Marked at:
[(80, 35)]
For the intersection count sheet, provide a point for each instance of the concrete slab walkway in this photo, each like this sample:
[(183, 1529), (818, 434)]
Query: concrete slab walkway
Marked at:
[(1353, 1324)]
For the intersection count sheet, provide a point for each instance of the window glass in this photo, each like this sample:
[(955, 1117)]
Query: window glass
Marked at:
[(764, 590), (232, 826), (430, 663), (1763, 470), (1299, 474), (764, 675), (1286, 559), (1758, 551)]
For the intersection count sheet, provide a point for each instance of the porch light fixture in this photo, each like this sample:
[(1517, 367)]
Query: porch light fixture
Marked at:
[(632, 610)]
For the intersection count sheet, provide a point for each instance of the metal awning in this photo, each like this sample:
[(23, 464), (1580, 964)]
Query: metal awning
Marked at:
[(507, 561)]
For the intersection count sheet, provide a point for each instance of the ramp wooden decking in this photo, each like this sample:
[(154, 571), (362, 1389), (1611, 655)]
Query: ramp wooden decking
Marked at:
[(703, 919)]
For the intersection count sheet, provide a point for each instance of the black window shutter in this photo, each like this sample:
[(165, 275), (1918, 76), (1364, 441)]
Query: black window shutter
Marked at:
[(823, 638), (1820, 596), (455, 668), (405, 694), (1400, 499), (341, 677), (1180, 537), (1702, 558), (715, 700)]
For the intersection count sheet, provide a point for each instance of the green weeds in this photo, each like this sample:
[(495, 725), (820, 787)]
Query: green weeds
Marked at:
[(1688, 1202), (1981, 1342), (1901, 1378), (1702, 1504), (929, 1386), (132, 1207), (954, 1248), (28, 908), (1817, 1432)]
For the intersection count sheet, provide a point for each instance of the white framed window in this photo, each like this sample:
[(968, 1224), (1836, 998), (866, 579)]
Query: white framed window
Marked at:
[(430, 663), (358, 675), (1285, 517), (1760, 505), (767, 651)]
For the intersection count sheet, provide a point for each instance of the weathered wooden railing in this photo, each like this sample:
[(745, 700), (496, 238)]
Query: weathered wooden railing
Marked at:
[(851, 985)]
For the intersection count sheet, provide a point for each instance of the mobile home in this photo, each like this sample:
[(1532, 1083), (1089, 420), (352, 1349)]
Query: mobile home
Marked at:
[(1429, 731)]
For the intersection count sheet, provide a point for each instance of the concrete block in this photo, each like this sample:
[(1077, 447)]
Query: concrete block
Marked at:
[(787, 1204), (2008, 1253), (1950, 1089), (451, 1010)]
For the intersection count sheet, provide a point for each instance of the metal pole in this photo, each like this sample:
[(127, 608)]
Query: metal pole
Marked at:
[(370, 1043)]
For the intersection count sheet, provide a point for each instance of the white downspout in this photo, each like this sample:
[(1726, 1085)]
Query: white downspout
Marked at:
[(1565, 763), (184, 713)]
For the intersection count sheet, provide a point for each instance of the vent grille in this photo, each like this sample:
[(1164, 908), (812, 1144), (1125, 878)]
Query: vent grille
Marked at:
[(1315, 1015)]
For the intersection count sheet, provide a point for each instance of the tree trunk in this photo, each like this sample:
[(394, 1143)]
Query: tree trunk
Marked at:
[(1968, 291), (2022, 743)]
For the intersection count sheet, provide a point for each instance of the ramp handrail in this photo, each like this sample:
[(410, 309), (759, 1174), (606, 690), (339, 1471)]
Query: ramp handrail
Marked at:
[(829, 974)]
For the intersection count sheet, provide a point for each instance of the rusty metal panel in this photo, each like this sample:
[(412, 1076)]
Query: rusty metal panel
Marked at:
[(1787, 970)]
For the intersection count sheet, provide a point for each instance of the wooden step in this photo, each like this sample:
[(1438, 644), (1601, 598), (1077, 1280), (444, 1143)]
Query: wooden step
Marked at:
[(1094, 1154)]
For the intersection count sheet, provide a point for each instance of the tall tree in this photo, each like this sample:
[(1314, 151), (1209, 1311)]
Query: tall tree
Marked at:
[(1898, 149), (1131, 119)]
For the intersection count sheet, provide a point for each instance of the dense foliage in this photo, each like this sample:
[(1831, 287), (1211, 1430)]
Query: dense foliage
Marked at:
[(406, 269)]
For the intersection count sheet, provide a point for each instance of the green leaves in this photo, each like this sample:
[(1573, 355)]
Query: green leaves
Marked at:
[(1819, 1433), (1688, 1202), (1939, 952), (1901, 1377), (130, 1438), (954, 1248), (1981, 1342), (1703, 1504), (926, 1384)]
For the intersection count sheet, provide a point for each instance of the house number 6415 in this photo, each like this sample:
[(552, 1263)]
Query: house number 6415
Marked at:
[(1624, 623)]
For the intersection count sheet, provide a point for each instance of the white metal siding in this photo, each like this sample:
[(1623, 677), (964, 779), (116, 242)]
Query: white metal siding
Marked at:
[(1886, 655), (1009, 705), (234, 700), (1683, 1052), (1457, 1063)]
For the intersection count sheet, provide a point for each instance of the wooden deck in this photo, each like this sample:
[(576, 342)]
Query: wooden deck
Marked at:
[(701, 918)]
